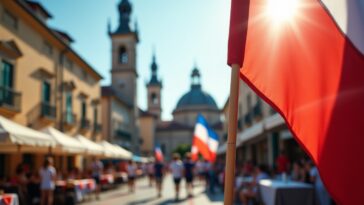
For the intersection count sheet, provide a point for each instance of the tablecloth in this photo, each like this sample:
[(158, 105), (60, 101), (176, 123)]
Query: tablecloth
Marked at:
[(9, 199), (274, 192)]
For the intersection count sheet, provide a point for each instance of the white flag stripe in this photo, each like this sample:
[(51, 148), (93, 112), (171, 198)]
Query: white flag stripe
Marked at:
[(213, 145), (201, 133), (349, 15)]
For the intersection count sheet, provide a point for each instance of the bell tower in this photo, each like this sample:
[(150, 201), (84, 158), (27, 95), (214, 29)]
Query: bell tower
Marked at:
[(154, 87), (124, 41)]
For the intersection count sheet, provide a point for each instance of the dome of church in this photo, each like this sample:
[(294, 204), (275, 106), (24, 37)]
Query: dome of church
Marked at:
[(196, 97)]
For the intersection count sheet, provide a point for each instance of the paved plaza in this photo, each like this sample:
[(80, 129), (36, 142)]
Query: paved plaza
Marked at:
[(148, 195)]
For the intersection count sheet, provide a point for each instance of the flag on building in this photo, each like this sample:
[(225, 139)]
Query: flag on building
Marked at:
[(306, 58), (205, 140), (158, 154)]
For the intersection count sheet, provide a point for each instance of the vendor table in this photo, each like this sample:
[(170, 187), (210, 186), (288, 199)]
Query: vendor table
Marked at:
[(9, 199), (274, 192)]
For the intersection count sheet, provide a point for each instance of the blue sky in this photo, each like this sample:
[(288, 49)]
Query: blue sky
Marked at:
[(182, 32)]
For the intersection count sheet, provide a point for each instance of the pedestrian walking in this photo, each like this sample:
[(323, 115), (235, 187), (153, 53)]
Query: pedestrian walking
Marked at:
[(158, 176), (189, 166), (48, 177), (176, 168), (96, 171), (150, 171), (131, 169)]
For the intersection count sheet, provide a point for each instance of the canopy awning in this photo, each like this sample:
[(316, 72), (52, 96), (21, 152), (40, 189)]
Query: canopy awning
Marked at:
[(91, 147), (250, 133), (12, 135), (115, 151), (140, 159), (222, 149), (65, 142), (274, 121)]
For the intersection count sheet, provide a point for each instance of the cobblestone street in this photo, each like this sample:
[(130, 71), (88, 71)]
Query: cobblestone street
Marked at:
[(147, 195)]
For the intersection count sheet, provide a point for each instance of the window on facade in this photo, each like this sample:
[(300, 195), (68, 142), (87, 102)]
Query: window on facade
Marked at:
[(123, 55), (249, 101), (69, 64), (46, 92), (83, 110), (95, 118), (47, 48), (10, 20), (154, 98), (6, 75), (69, 116)]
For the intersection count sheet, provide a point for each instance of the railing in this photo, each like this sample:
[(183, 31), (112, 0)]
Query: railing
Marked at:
[(85, 124), (97, 127), (47, 110), (124, 135), (248, 119), (257, 110), (10, 98), (69, 118)]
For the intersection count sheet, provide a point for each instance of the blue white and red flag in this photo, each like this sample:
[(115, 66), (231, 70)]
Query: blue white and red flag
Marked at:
[(205, 140), (158, 154)]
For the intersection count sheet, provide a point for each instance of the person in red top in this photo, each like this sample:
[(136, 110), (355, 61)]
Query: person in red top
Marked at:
[(282, 163)]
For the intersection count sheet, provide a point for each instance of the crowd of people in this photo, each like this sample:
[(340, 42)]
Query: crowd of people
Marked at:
[(186, 170), (39, 186), (248, 176), (208, 174)]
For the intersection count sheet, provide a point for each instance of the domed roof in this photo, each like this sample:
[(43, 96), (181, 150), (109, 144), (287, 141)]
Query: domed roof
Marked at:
[(196, 97)]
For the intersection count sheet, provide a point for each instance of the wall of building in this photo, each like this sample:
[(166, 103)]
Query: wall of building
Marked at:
[(41, 60), (30, 43), (188, 117), (147, 133), (169, 140)]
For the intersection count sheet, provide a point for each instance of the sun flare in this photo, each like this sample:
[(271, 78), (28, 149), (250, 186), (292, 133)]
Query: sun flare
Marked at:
[(280, 11)]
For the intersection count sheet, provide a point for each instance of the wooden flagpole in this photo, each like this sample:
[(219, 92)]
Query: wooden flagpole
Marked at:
[(231, 143)]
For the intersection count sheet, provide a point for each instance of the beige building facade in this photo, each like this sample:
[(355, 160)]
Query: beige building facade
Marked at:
[(262, 133), (44, 82)]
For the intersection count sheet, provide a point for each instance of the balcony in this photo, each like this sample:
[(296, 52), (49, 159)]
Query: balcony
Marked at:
[(69, 120), (85, 124), (257, 111), (248, 119), (97, 127), (47, 111), (123, 135), (42, 115), (9, 101)]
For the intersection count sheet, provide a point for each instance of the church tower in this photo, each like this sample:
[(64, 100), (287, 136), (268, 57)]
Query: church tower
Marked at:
[(154, 87), (124, 69), (124, 41)]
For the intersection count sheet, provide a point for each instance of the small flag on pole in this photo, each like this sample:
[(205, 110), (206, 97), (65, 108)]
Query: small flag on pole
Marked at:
[(205, 140), (158, 154)]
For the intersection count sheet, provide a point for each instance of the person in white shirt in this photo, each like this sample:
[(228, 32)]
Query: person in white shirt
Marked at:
[(48, 177), (150, 171), (131, 169), (176, 168), (96, 169)]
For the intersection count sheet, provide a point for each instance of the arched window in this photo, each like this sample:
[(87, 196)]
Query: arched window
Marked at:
[(123, 55), (154, 98)]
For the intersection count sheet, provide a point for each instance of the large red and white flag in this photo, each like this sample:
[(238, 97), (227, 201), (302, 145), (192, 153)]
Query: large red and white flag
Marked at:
[(306, 58)]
